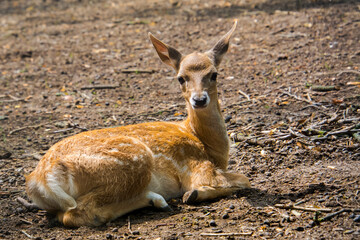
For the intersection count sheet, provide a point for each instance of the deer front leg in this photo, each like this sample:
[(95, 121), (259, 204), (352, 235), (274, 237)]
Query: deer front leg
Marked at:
[(207, 182)]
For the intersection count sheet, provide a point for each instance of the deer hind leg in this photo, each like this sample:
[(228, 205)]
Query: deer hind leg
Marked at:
[(89, 212), (207, 182)]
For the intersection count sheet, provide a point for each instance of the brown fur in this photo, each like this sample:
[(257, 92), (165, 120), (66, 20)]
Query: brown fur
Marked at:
[(96, 176)]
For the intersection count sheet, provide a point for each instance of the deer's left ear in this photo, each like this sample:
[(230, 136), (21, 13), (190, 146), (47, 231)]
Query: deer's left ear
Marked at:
[(221, 47)]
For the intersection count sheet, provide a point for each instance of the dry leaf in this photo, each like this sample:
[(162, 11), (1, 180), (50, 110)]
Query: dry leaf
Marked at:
[(337, 101), (317, 149)]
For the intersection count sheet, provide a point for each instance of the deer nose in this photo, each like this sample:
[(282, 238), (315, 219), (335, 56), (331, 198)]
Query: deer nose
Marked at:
[(200, 101)]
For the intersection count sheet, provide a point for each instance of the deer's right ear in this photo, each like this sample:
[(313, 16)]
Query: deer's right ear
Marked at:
[(221, 47), (167, 54)]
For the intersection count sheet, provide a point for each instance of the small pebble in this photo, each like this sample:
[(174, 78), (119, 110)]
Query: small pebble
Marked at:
[(357, 218), (212, 223), (311, 224), (300, 229), (19, 210), (225, 216), (115, 230), (267, 222), (136, 232), (349, 231), (109, 236), (107, 104), (228, 118), (232, 206)]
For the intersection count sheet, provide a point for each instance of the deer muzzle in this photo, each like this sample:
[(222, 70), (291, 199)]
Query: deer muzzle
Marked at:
[(199, 100)]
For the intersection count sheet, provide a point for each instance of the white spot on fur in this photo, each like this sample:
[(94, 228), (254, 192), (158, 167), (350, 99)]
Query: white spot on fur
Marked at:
[(119, 162), (125, 145), (114, 150)]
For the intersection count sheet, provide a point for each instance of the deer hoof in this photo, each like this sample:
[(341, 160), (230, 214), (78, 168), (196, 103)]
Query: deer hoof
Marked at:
[(167, 209), (190, 197)]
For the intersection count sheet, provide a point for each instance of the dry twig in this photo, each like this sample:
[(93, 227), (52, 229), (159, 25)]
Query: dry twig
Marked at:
[(226, 234), (26, 234), (129, 225), (99, 87), (338, 73), (302, 99), (245, 95), (137, 71), (346, 130), (23, 128), (331, 215), (309, 209)]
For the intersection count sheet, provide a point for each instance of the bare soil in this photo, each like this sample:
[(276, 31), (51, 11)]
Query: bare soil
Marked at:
[(292, 115)]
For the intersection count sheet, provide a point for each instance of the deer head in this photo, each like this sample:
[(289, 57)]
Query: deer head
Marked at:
[(196, 72)]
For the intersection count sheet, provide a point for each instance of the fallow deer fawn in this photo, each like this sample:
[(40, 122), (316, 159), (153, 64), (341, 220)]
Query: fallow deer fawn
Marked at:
[(96, 176)]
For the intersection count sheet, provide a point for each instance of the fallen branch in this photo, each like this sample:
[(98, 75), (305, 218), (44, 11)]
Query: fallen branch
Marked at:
[(347, 130), (297, 134), (23, 128), (338, 73), (319, 88), (331, 215), (302, 99), (26, 204), (137, 71), (245, 95), (14, 99), (129, 225), (226, 234), (99, 87), (26, 234), (349, 120), (63, 130), (308, 209), (25, 221)]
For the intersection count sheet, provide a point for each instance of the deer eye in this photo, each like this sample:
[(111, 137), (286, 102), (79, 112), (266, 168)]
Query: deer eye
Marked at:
[(181, 80), (213, 76)]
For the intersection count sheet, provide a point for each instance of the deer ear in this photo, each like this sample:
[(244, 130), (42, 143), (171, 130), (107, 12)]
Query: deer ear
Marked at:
[(167, 54), (221, 47)]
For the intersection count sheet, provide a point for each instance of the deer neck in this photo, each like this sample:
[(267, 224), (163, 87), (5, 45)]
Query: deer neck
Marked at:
[(208, 125)]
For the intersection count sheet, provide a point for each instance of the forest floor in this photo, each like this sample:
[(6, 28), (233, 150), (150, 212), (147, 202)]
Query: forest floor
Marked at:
[(289, 90)]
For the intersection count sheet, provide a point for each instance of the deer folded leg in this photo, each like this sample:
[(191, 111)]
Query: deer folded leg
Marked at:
[(209, 183), (91, 214)]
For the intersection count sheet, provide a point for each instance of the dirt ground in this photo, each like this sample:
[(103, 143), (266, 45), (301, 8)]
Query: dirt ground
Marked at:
[(288, 88)]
